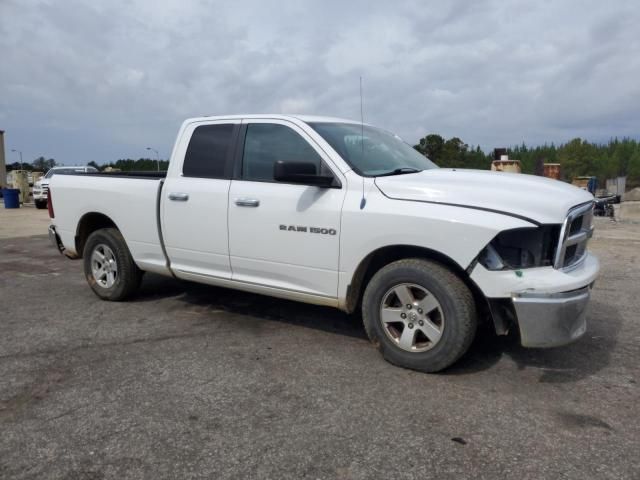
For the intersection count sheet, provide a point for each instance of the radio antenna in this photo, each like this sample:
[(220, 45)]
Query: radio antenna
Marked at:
[(363, 201), (361, 115)]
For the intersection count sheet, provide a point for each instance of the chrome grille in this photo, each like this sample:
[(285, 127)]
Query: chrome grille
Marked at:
[(574, 235)]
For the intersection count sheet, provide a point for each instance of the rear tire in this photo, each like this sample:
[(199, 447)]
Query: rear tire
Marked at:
[(41, 204), (419, 314), (108, 266)]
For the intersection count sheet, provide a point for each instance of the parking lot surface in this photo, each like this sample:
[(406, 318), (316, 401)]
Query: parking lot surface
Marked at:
[(190, 381), (21, 222)]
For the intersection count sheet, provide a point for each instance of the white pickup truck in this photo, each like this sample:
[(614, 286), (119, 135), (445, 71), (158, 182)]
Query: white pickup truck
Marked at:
[(332, 212)]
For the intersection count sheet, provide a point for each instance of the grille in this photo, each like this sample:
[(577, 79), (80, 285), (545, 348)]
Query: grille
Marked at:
[(576, 231)]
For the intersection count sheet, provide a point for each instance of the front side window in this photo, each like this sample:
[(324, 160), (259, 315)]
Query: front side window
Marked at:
[(208, 151), (372, 151), (267, 143)]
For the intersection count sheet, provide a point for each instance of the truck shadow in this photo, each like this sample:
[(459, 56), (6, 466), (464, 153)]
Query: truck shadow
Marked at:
[(569, 363), (259, 308)]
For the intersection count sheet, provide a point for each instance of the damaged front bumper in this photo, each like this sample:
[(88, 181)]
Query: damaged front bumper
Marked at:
[(547, 305), (552, 319)]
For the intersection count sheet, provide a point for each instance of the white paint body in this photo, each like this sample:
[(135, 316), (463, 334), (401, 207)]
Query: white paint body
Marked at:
[(41, 187), (210, 239)]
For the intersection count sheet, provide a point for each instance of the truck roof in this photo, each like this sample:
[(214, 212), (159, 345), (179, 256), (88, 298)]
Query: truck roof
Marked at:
[(304, 118)]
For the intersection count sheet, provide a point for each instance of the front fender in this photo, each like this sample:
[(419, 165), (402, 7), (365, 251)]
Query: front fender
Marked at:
[(454, 232)]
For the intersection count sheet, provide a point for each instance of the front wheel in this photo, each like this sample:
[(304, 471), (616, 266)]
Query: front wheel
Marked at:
[(108, 266), (419, 314), (41, 204)]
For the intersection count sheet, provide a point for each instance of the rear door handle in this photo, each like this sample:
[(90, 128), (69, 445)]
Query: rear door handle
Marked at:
[(179, 196), (247, 202)]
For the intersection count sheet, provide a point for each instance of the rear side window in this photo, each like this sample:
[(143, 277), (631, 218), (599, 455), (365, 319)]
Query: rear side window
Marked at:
[(208, 151), (266, 143)]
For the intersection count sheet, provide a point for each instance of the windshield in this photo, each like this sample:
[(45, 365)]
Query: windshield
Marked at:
[(372, 151), (53, 171)]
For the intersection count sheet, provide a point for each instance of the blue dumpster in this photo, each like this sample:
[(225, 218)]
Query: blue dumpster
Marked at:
[(11, 197)]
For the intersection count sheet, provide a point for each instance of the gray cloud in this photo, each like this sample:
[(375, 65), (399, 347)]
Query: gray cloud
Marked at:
[(84, 81)]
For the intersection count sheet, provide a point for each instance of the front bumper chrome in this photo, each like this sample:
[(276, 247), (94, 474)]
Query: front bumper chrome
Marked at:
[(551, 319)]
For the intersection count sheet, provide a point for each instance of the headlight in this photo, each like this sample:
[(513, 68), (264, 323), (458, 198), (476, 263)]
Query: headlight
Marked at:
[(521, 248), (490, 259)]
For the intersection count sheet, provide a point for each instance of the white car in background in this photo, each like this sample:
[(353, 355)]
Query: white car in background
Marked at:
[(41, 187)]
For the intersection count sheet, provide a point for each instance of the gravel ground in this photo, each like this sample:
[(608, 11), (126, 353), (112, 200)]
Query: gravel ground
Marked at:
[(24, 221), (190, 381)]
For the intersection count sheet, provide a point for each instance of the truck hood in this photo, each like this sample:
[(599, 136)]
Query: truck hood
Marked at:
[(540, 199)]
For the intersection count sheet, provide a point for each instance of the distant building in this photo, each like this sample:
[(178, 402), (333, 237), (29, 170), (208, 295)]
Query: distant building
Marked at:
[(588, 183), (552, 170), (617, 185), (502, 162)]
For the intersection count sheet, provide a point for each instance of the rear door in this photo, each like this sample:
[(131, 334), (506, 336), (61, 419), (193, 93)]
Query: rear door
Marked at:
[(195, 200), (283, 235)]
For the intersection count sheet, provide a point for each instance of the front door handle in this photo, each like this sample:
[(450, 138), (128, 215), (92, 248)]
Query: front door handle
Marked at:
[(247, 202), (179, 196)]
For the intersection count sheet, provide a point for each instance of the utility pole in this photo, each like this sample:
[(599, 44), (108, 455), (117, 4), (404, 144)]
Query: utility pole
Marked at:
[(157, 156), (3, 165), (19, 152)]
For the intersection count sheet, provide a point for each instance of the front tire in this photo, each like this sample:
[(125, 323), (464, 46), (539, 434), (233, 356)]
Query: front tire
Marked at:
[(419, 314), (108, 266), (41, 204)]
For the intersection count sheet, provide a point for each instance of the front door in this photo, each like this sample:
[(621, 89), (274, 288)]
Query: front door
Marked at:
[(283, 235)]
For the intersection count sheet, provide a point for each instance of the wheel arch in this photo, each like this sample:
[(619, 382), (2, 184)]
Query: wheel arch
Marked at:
[(89, 223), (377, 259)]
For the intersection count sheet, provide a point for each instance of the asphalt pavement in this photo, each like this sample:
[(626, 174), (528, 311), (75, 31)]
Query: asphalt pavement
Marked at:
[(190, 381)]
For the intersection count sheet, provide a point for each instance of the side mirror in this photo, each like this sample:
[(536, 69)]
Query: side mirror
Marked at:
[(304, 173)]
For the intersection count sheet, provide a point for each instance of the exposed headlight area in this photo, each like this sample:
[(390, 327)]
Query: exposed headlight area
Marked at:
[(521, 248)]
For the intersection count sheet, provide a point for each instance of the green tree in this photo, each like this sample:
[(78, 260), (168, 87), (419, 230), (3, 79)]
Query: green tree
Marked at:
[(42, 164), (454, 153), (618, 157), (431, 146), (633, 173), (19, 166), (140, 165)]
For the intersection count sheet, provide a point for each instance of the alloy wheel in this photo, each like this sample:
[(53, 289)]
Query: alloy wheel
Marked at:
[(412, 317), (104, 266)]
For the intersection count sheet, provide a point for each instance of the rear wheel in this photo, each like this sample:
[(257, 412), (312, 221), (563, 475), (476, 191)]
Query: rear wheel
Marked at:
[(41, 204), (419, 314), (108, 266)]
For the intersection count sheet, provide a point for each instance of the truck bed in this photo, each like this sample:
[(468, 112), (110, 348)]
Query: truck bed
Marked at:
[(129, 199)]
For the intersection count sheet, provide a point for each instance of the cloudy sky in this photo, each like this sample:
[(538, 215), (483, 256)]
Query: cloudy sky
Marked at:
[(102, 80)]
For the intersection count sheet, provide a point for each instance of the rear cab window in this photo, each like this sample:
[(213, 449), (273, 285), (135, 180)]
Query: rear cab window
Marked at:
[(209, 153)]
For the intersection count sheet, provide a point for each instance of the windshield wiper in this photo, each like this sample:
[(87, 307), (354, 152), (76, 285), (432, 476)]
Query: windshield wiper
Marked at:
[(400, 171)]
